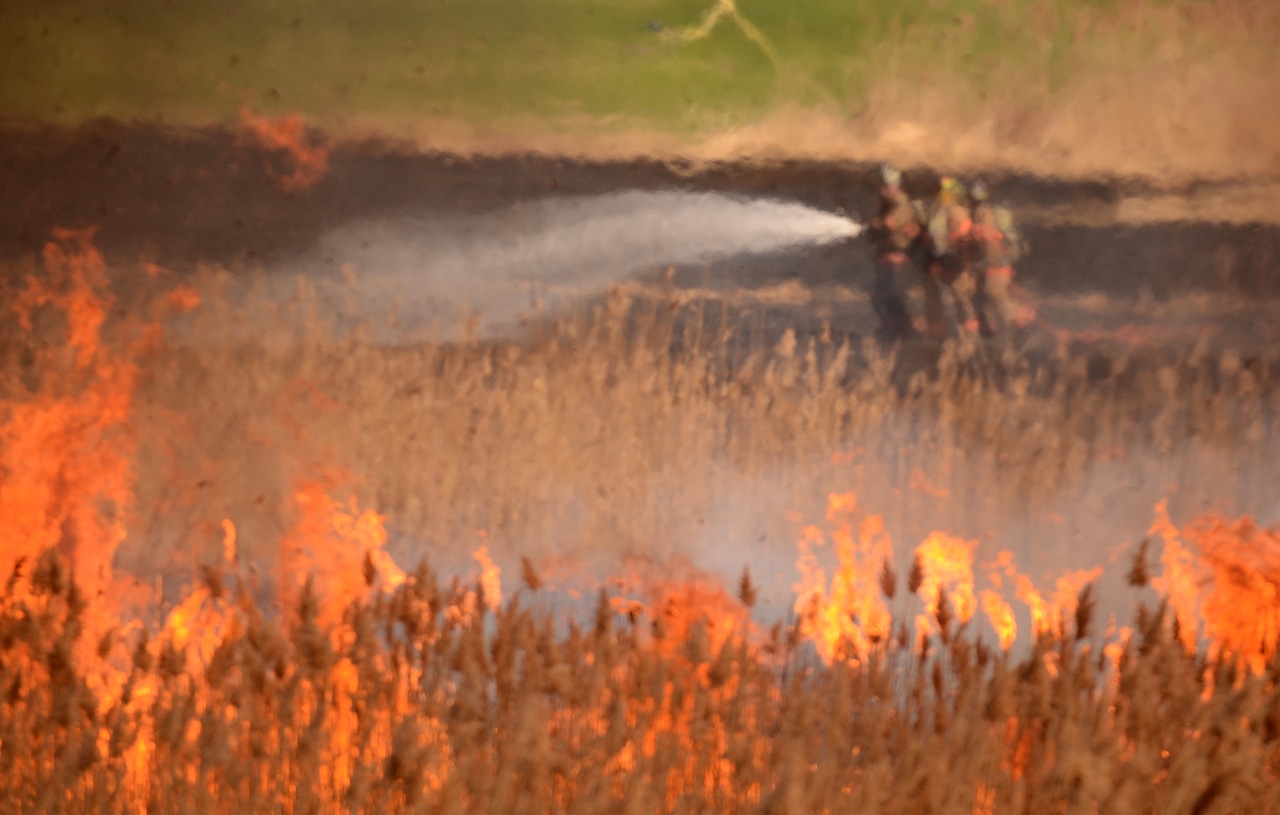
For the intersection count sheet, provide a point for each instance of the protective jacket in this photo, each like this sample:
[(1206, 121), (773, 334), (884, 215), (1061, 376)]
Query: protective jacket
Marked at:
[(950, 228), (895, 226), (997, 243)]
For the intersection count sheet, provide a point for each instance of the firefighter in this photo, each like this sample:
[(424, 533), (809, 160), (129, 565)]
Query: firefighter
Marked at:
[(949, 261), (997, 246), (893, 231)]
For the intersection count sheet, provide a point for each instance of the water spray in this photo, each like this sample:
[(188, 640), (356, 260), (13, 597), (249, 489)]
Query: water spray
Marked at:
[(547, 254)]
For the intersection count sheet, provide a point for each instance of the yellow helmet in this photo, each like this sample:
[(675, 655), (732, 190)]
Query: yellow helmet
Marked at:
[(950, 190)]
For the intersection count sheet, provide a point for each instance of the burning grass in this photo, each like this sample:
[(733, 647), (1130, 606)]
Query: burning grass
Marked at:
[(195, 622), (421, 699)]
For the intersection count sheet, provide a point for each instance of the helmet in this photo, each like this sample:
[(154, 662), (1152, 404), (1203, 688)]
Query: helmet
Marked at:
[(978, 190), (890, 175), (950, 189)]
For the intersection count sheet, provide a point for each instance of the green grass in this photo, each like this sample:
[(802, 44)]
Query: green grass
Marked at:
[(495, 61)]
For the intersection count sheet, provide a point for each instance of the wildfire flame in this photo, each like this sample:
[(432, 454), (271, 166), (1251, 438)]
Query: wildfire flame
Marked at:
[(67, 448), (1048, 614), (847, 617), (288, 136), (947, 564), (1223, 581), (490, 578), (339, 546), (1000, 613), (677, 600)]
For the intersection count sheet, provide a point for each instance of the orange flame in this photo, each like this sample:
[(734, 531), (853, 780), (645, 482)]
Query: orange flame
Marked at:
[(1048, 614), (848, 617), (984, 800), (288, 135), (1180, 581), (677, 599), (489, 578), (67, 451), (183, 299), (331, 544), (1241, 609), (1224, 582), (229, 541), (947, 563), (1001, 616)]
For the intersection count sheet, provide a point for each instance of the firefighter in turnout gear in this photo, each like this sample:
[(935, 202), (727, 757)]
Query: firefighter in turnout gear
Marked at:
[(893, 231), (997, 246), (949, 261)]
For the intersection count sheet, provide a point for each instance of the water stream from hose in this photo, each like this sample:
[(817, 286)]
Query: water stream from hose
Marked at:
[(545, 255)]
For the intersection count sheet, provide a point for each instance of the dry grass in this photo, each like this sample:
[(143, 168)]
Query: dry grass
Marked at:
[(626, 430), (615, 431), (426, 705)]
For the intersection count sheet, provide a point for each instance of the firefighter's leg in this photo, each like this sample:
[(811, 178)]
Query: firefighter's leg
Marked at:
[(1023, 313), (982, 303), (935, 314), (999, 309), (963, 291), (888, 300)]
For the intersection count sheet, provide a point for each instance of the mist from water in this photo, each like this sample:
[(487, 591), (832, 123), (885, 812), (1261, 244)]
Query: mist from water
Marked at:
[(540, 257)]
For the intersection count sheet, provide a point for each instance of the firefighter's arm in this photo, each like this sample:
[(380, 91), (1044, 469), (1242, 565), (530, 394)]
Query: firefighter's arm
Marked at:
[(937, 229), (1013, 238), (904, 218)]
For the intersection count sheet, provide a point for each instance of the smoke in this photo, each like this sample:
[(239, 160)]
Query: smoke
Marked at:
[(540, 257), (1096, 518)]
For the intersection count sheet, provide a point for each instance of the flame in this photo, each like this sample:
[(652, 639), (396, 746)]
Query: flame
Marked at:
[(76, 428), (489, 578), (183, 299), (678, 599), (693, 619), (1000, 613), (1222, 579), (846, 618), (1048, 614), (288, 135), (67, 450), (331, 544), (1040, 608), (229, 541), (1241, 609), (947, 563), (984, 800), (1181, 578)]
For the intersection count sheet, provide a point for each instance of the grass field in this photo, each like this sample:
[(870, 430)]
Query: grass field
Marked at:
[(428, 703), (193, 620), (599, 65), (369, 689)]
